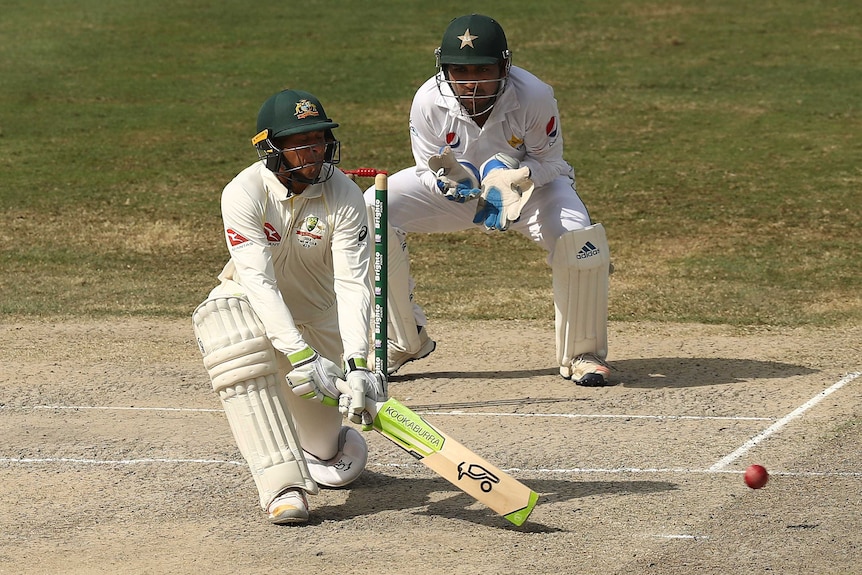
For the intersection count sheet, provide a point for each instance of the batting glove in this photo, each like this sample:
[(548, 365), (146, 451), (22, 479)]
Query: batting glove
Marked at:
[(363, 387), (505, 190), (315, 377), (458, 181)]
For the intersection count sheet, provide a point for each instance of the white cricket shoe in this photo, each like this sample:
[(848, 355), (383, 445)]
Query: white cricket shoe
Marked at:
[(290, 506), (587, 370), (397, 356)]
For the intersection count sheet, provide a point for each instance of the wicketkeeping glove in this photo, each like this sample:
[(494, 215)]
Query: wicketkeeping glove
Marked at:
[(458, 181), (505, 190), (315, 377), (364, 387)]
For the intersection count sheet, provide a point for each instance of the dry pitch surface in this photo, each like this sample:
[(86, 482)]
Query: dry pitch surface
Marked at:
[(116, 458)]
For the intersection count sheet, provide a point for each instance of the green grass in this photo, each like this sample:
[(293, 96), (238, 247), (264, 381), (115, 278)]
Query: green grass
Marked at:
[(719, 143)]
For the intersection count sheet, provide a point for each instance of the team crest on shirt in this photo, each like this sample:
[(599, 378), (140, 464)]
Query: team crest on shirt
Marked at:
[(310, 232), (516, 142)]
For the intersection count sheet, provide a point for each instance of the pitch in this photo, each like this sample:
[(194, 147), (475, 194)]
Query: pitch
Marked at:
[(116, 456)]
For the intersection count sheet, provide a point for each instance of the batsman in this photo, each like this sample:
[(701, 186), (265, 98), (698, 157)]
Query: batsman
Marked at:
[(488, 149), (285, 335)]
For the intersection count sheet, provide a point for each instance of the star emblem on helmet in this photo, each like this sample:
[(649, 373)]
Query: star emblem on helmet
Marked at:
[(467, 39)]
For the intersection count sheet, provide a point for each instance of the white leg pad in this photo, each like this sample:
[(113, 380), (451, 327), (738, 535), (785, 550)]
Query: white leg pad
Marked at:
[(402, 313), (242, 365), (346, 465), (580, 269)]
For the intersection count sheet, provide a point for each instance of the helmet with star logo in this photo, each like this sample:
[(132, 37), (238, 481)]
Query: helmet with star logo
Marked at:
[(471, 45), (473, 39)]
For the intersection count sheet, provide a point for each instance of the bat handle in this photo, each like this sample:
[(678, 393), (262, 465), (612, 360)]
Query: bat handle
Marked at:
[(369, 414)]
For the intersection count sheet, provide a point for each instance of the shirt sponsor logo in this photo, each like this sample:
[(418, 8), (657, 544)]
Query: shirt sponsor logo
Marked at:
[(551, 128), (272, 236), (452, 140), (234, 238)]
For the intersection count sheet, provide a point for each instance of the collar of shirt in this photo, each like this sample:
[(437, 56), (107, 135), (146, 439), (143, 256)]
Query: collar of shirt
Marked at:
[(276, 188)]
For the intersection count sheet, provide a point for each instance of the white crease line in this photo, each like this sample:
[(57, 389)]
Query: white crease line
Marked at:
[(411, 465), (447, 413), (599, 416), (115, 461), (109, 408), (725, 461), (677, 471)]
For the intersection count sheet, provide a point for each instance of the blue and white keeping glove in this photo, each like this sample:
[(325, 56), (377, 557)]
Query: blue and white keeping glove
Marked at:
[(457, 180), (506, 187), (315, 377)]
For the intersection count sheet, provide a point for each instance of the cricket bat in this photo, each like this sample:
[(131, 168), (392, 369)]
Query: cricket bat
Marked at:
[(464, 469), (470, 473)]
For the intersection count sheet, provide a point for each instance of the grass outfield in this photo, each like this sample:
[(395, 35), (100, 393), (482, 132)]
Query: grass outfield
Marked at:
[(718, 143)]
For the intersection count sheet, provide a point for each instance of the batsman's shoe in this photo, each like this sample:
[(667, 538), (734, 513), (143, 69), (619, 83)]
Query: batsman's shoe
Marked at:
[(290, 506), (587, 370), (397, 356)]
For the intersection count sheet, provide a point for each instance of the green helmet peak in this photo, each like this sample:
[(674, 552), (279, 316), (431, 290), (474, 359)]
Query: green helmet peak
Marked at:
[(473, 39)]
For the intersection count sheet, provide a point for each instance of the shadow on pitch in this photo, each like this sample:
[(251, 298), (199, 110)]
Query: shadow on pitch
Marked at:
[(464, 374), (376, 493), (648, 372), (698, 371)]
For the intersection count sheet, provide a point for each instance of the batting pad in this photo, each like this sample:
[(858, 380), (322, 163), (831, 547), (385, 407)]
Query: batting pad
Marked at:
[(242, 365), (580, 269)]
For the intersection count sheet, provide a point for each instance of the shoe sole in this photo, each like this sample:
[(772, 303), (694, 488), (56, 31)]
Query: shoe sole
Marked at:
[(592, 380), (287, 519)]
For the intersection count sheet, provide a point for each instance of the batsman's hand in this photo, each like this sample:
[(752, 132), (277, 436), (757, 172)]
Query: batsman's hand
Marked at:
[(314, 377), (458, 181), (363, 387), (505, 189)]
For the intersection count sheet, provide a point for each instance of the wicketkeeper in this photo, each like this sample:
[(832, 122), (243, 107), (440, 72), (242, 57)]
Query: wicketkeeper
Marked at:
[(284, 337), (488, 147)]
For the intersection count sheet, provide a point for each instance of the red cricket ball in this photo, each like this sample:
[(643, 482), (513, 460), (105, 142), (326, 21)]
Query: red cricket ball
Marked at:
[(756, 476)]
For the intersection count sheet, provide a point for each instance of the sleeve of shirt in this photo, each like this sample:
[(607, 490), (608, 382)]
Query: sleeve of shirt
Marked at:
[(423, 135), (543, 136), (243, 216), (351, 258)]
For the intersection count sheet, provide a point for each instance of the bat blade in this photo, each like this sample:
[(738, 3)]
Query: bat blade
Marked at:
[(470, 473)]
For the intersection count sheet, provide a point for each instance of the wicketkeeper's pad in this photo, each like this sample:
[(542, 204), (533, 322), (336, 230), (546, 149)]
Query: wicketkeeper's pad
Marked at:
[(580, 269)]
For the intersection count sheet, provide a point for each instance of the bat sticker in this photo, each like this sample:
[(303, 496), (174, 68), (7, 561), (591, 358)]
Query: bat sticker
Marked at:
[(475, 471)]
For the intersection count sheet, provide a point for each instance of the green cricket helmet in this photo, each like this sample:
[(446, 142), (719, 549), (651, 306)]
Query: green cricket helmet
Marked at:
[(287, 113), (473, 39)]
